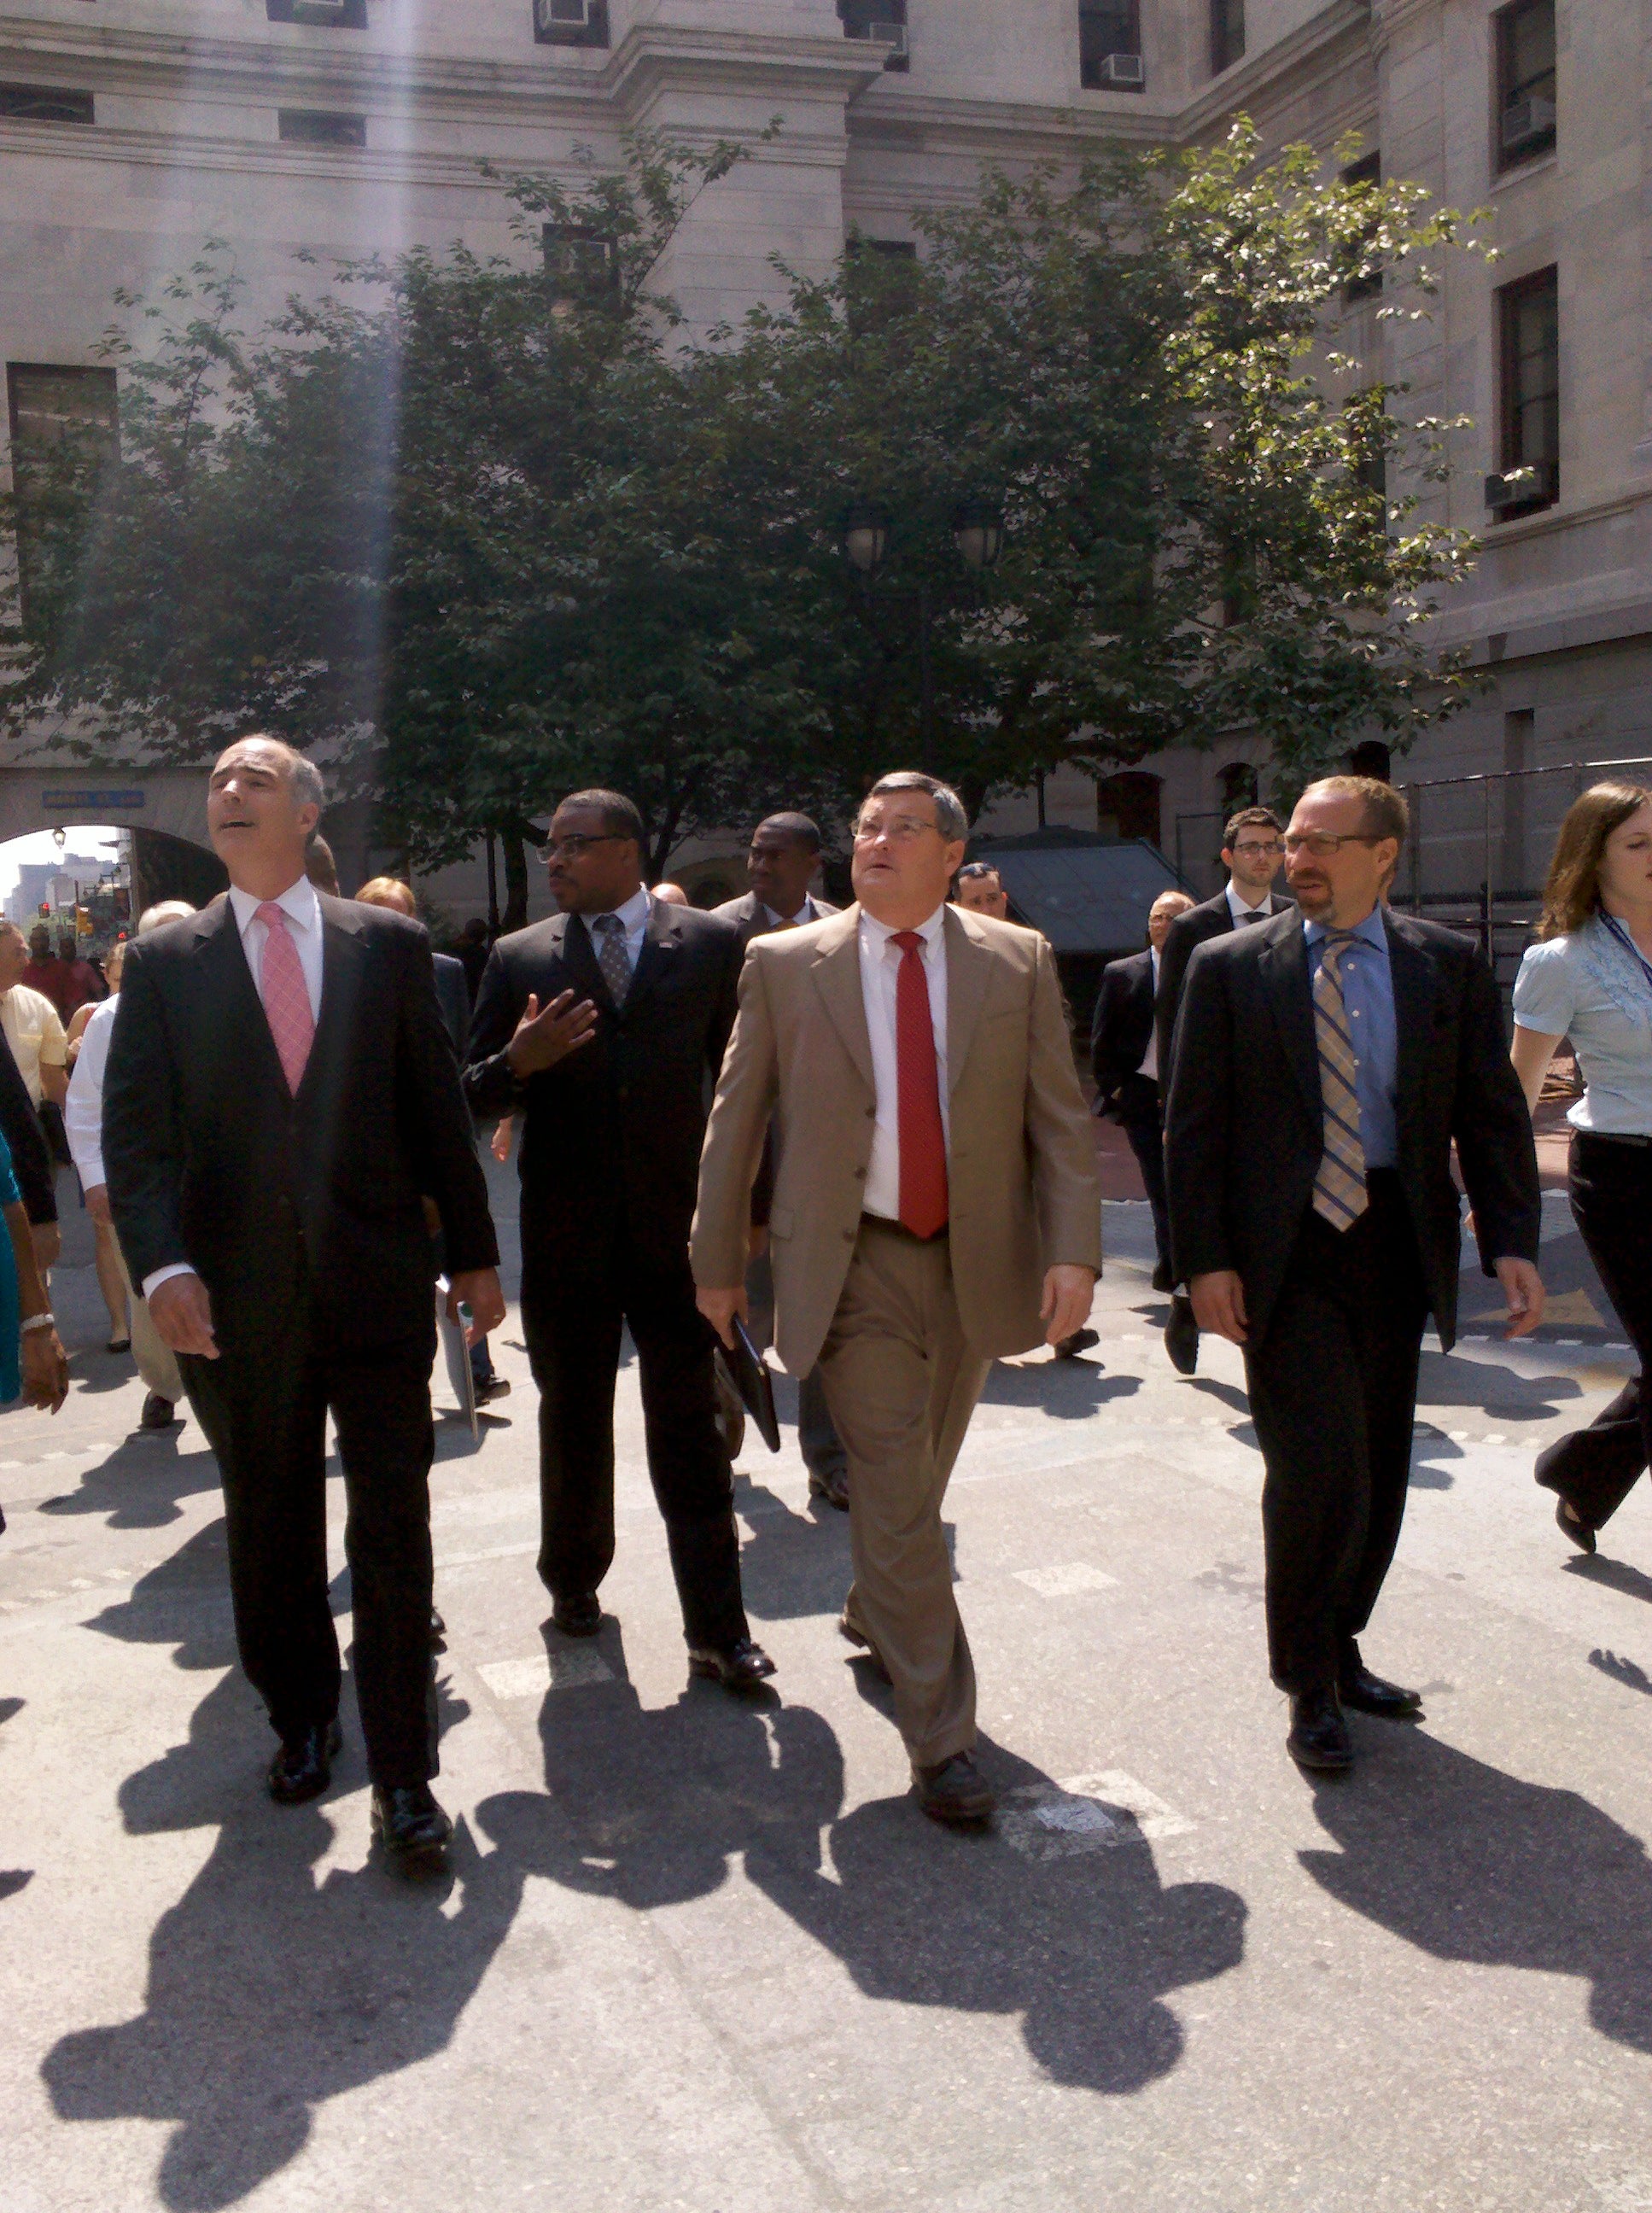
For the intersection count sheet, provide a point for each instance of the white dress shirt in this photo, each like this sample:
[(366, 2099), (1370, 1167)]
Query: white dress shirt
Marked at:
[(635, 916), (1241, 909), (1150, 1066), (807, 912), (303, 911), (879, 965), (83, 1111)]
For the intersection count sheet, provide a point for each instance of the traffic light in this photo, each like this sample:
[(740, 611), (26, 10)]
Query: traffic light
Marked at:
[(45, 910)]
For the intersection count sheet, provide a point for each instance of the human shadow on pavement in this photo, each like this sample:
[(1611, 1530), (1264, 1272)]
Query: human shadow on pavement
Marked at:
[(1473, 1865), (1612, 1575), (12, 1880), (1065, 1390), (141, 1485), (649, 1808), (1455, 1379), (1621, 1670), (793, 1565)]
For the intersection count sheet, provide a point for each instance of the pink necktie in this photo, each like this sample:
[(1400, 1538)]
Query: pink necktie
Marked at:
[(285, 994)]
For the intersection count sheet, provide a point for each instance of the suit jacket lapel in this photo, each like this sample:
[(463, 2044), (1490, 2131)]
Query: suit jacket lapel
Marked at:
[(578, 956), (1412, 973), (1290, 996), (342, 964), (969, 965), (224, 956), (836, 969)]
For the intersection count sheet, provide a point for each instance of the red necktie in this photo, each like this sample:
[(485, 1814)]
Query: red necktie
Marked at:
[(923, 1138)]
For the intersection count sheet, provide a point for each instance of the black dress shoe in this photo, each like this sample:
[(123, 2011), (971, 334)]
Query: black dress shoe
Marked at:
[(158, 1413), (412, 1828), (956, 1790), (303, 1767), (1367, 1693), (578, 1616), (830, 1483), (1080, 1341), (1162, 1278), (493, 1387), (847, 1630), (1182, 1335), (438, 1632), (1581, 1533), (1319, 1737), (740, 1667)]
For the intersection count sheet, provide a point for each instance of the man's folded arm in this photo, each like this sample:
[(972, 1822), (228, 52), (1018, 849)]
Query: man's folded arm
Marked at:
[(143, 1155), (746, 1095)]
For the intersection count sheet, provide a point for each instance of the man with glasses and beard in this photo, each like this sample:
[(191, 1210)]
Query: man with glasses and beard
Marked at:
[(603, 1029), (1324, 1064)]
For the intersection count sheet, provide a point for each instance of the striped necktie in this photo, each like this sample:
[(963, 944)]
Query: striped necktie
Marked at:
[(1340, 1196), (612, 957)]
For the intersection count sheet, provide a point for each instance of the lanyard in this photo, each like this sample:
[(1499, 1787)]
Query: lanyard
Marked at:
[(1628, 945)]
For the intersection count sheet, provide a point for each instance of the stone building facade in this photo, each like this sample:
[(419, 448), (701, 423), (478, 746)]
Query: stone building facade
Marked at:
[(130, 130)]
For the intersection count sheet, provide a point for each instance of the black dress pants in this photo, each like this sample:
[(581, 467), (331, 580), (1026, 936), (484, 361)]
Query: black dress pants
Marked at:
[(264, 1405), (1333, 1395), (1610, 1182), (1142, 1117), (572, 1324)]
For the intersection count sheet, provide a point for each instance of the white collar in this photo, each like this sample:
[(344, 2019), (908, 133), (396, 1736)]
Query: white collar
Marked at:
[(930, 931), (632, 916), (298, 902), (805, 913), (1238, 904)]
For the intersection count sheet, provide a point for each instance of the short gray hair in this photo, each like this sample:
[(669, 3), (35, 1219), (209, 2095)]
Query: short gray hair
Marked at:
[(309, 789), (950, 819), (163, 911)]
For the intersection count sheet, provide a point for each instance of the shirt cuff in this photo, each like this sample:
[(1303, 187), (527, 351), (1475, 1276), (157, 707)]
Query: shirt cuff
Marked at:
[(154, 1280)]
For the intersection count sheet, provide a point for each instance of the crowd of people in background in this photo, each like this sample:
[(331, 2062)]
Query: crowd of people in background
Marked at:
[(855, 1136)]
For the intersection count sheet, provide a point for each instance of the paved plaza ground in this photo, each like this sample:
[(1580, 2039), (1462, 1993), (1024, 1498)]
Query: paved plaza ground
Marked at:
[(703, 1957)]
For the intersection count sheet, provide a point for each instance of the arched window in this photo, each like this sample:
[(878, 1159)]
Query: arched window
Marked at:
[(1127, 805)]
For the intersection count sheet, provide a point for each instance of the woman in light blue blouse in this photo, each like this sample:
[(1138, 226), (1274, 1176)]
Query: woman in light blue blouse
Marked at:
[(1590, 979)]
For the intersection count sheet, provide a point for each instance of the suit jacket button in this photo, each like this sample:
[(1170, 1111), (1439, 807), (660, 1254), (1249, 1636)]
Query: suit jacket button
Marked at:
[(860, 1176), (849, 1237)]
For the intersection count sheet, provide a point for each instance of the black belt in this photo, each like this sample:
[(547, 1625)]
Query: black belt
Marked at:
[(1611, 1137)]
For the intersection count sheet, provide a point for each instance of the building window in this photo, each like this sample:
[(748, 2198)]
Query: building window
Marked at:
[(570, 22), (878, 281), (58, 416), (1529, 317), (319, 14), (581, 262), (1110, 45), (312, 127), (1226, 33), (1525, 81), (1127, 805), (45, 103), (1367, 171), (1237, 786), (883, 22)]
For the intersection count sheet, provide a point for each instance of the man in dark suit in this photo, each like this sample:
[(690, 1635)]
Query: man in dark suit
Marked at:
[(781, 865), (1125, 1061), (603, 1027), (1251, 854), (1324, 1065), (280, 1092)]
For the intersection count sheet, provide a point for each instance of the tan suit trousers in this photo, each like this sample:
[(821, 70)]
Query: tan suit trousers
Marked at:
[(902, 1383), (157, 1363)]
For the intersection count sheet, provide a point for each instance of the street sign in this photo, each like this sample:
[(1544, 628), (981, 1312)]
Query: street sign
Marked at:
[(92, 803)]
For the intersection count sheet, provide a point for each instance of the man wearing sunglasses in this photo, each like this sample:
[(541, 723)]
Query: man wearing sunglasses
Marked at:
[(604, 1028), (1324, 1064), (1251, 854), (936, 1208)]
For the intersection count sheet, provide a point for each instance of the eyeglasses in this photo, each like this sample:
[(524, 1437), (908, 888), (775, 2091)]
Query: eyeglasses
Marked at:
[(1250, 846), (901, 832), (1321, 844), (573, 845)]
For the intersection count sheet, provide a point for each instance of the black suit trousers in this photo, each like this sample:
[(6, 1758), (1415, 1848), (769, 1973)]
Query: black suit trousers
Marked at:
[(1141, 1116), (264, 1405), (573, 1324), (1611, 1190), (1333, 1395)]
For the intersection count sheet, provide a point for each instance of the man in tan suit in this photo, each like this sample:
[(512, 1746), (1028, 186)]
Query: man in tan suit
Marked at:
[(936, 1208)]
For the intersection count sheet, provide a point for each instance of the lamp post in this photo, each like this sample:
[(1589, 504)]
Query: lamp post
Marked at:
[(978, 536)]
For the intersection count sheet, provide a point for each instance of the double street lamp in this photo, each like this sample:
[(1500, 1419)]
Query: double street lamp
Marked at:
[(977, 534)]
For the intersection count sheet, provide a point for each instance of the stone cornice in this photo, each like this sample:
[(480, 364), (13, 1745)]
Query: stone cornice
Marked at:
[(1266, 71)]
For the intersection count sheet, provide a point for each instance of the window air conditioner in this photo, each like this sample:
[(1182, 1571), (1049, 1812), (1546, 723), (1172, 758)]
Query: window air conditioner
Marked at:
[(1123, 69), (1520, 487), (565, 15), (892, 36), (1524, 120)]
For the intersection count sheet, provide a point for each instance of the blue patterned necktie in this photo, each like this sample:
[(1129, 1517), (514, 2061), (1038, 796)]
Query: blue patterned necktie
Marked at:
[(610, 956), (1340, 1194)]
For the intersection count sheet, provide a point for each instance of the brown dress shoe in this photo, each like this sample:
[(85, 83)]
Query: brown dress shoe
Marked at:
[(954, 1790), (832, 1483)]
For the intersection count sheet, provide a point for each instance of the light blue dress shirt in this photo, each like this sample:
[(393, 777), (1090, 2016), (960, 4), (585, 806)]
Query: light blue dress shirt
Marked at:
[(1368, 993)]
